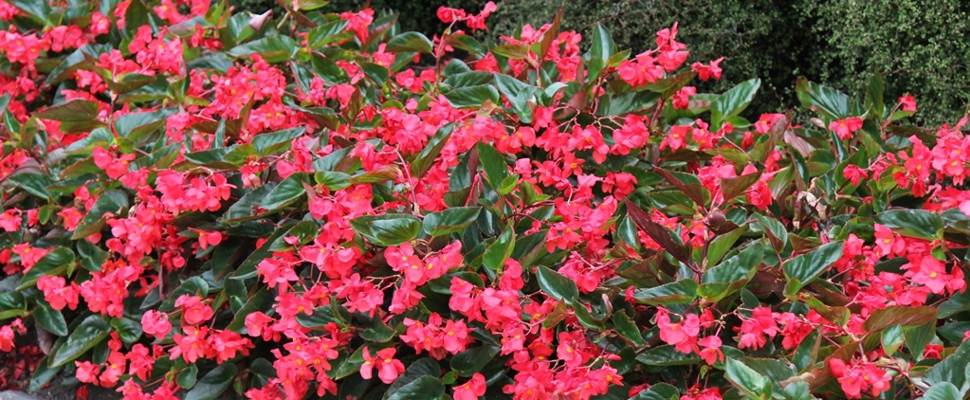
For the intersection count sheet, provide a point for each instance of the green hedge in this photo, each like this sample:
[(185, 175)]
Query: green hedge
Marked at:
[(922, 46)]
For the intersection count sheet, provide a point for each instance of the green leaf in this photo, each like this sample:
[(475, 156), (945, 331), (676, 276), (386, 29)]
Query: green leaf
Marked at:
[(425, 159), (731, 275), (470, 361), (627, 328), (472, 96), (223, 157), (807, 352), (53, 263), (599, 56), (112, 201), (324, 34), (493, 162), (35, 184), (248, 205), (213, 384), (188, 377), (425, 387), (733, 102), (129, 330), (36, 10), (680, 292), (51, 319), (518, 93), (500, 250), (76, 116), (450, 221), (273, 49), (732, 187), (667, 355), (942, 391), (874, 95), (809, 266), (12, 304), (409, 41), (722, 244), (88, 334), (267, 144), (899, 315), (892, 339), (423, 367), (286, 193), (830, 102), (513, 51), (748, 381), (387, 230), (309, 5), (922, 224), (555, 285)]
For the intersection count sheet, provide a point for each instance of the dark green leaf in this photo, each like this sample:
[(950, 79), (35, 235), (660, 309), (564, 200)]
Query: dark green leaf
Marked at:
[(733, 102), (449, 221), (213, 384), (187, 378), (410, 41), (555, 285), (472, 96), (603, 48), (326, 33), (50, 319), (627, 328), (112, 201), (680, 292), (499, 250), (922, 224), (273, 49), (129, 331), (286, 193), (53, 263), (425, 387), (666, 355), (387, 230), (92, 331), (952, 369), (809, 266), (470, 361)]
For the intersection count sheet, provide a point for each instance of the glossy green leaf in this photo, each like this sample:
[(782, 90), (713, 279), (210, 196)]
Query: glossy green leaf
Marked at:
[(112, 201), (922, 224), (748, 381), (213, 384), (500, 250), (602, 49), (425, 387), (470, 361), (733, 102), (75, 116), (88, 334), (555, 285), (287, 192), (449, 221), (273, 49), (53, 263), (472, 96), (809, 266), (680, 292), (51, 319), (410, 41), (388, 229)]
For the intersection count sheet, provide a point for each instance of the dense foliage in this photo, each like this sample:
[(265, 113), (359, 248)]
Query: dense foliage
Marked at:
[(922, 47), (202, 202)]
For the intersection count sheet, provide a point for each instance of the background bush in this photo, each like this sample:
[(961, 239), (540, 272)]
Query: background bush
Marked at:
[(922, 46)]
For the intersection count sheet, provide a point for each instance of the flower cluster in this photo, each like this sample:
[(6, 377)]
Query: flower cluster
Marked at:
[(199, 199)]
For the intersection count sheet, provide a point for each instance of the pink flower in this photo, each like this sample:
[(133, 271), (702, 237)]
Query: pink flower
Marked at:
[(156, 323), (908, 103), (711, 351), (388, 368), (471, 390), (845, 127)]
